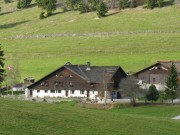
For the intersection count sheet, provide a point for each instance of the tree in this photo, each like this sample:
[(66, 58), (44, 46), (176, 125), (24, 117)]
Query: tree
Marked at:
[(160, 3), (151, 4), (152, 94), (23, 3), (2, 71), (7, 1), (130, 88), (48, 5), (172, 83), (162, 96), (102, 9)]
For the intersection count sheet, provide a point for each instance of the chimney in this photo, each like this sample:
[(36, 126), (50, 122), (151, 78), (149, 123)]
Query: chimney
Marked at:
[(88, 66), (68, 63)]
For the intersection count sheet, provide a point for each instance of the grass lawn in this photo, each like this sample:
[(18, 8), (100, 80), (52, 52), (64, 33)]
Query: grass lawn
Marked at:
[(133, 50), (25, 117)]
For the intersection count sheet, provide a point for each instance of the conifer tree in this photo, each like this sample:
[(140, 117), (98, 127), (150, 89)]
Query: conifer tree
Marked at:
[(151, 4), (152, 94), (1, 65), (172, 84), (102, 9)]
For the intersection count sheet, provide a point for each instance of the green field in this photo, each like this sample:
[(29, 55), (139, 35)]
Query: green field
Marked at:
[(145, 37), (30, 118)]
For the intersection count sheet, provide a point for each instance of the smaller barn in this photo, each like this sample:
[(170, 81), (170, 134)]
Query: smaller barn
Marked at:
[(78, 81), (156, 74)]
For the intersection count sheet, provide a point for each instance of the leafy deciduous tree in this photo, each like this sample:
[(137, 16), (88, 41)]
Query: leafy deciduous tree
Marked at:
[(130, 88)]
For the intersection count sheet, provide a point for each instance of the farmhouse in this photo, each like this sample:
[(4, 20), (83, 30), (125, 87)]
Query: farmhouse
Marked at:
[(156, 74), (78, 81)]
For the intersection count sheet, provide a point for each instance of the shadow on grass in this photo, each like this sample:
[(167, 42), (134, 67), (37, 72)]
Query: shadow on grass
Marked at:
[(112, 14), (9, 12), (32, 5), (58, 13), (10, 25)]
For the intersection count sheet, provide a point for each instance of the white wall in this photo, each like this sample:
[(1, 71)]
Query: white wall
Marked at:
[(77, 93)]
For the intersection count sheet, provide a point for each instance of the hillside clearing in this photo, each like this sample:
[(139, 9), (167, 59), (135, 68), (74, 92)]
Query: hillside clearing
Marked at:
[(144, 36)]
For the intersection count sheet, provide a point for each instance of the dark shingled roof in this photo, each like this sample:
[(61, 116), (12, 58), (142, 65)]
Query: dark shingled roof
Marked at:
[(166, 64), (95, 74)]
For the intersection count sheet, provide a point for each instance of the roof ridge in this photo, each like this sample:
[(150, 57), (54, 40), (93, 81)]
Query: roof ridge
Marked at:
[(83, 73)]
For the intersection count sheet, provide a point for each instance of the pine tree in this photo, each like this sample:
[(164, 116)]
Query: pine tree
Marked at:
[(48, 5), (172, 84), (102, 9), (151, 4), (23, 3), (152, 94), (1, 65)]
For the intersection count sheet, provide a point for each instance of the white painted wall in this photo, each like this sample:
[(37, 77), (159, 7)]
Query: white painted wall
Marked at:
[(77, 93)]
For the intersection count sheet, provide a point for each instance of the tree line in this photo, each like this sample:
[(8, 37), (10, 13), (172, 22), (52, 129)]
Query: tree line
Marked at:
[(84, 6)]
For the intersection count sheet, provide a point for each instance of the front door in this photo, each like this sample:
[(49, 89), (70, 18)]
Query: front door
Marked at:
[(87, 94), (66, 93), (31, 92)]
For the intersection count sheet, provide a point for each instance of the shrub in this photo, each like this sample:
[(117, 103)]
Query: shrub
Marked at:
[(124, 4), (102, 9), (151, 4), (152, 94), (132, 4), (41, 15), (7, 1), (160, 3)]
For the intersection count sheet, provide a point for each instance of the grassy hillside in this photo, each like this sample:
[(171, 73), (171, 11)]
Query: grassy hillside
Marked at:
[(144, 37), (27, 118)]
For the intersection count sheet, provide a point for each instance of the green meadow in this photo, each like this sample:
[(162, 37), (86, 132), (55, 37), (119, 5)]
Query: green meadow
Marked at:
[(145, 37), (30, 118)]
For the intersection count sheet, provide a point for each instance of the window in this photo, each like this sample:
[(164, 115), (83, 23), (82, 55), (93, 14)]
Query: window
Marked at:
[(38, 91), (58, 91), (56, 83), (154, 79), (61, 75), (70, 75), (93, 92), (52, 91), (82, 91), (46, 91), (72, 91), (92, 85), (45, 83), (70, 84), (61, 84)]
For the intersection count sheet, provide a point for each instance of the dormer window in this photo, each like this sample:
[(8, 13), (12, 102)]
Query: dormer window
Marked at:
[(70, 75)]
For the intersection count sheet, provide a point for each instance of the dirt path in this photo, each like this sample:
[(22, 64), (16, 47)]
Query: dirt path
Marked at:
[(95, 34)]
